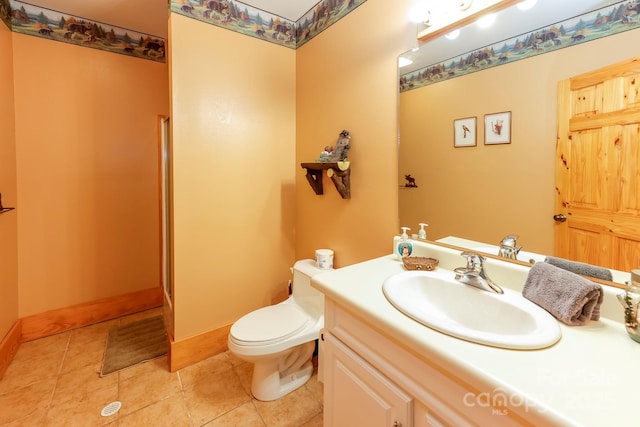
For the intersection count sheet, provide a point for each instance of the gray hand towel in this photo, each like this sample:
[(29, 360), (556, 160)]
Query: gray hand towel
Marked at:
[(581, 268), (572, 299)]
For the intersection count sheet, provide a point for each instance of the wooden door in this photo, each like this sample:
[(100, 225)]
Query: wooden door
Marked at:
[(598, 167)]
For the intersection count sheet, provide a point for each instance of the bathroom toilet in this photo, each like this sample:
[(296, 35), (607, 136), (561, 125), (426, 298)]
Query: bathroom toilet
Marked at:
[(280, 339)]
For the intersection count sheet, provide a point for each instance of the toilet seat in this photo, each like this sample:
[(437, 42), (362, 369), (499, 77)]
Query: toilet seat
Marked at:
[(268, 325)]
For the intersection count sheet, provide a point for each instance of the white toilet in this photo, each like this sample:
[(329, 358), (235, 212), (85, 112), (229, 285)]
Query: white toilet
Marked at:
[(280, 339)]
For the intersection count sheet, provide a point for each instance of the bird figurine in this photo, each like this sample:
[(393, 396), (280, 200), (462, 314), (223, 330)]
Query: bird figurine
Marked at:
[(339, 153)]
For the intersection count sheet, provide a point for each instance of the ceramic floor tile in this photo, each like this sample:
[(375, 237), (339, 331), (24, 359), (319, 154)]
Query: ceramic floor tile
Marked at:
[(42, 346), (215, 395), (170, 412), (315, 387), (83, 410), (92, 333), (245, 415), (159, 364), (235, 360), (245, 373), (56, 381), (201, 371), (145, 389), (74, 385), (35, 419), (24, 372), (91, 354), (291, 410), (26, 401), (317, 421)]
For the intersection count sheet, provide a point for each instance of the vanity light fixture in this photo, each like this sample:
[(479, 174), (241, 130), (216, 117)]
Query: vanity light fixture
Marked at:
[(486, 21), (427, 19), (420, 13), (464, 5), (453, 21), (452, 35), (403, 62), (526, 4)]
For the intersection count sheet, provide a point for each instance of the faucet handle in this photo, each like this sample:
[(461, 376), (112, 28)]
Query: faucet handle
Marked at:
[(474, 260), (509, 240)]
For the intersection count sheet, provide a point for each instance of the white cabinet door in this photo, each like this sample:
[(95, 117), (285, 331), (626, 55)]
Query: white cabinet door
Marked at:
[(356, 394)]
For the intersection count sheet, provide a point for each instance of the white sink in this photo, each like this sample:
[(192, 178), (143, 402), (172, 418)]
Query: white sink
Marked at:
[(437, 300)]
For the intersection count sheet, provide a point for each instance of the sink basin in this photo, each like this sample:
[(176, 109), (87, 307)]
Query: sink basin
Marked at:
[(437, 300)]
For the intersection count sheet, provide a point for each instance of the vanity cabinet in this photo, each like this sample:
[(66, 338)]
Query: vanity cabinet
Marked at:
[(370, 380), (360, 394)]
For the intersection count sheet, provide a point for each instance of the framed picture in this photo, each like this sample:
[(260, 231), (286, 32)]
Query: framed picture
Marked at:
[(497, 128), (464, 132)]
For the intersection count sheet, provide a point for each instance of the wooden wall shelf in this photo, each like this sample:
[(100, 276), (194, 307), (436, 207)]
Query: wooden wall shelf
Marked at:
[(339, 172), (2, 208)]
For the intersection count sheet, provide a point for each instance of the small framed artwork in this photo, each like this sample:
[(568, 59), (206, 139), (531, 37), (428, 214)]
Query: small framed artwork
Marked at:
[(497, 128), (464, 132)]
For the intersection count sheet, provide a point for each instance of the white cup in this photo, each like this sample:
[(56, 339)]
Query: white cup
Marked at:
[(324, 259)]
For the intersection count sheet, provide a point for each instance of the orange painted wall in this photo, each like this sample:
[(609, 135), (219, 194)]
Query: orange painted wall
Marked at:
[(233, 133), (8, 221), (487, 192), (86, 142), (347, 79)]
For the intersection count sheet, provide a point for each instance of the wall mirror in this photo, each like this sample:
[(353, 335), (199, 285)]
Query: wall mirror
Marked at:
[(484, 192)]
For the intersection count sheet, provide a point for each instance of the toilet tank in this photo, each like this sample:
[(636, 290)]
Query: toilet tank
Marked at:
[(303, 271)]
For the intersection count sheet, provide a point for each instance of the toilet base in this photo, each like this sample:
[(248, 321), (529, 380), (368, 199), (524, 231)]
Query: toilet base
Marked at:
[(276, 377)]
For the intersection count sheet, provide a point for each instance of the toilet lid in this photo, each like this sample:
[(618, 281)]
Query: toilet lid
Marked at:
[(275, 322)]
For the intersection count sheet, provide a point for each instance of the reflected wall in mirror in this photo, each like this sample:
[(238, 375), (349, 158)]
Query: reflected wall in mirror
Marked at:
[(486, 192)]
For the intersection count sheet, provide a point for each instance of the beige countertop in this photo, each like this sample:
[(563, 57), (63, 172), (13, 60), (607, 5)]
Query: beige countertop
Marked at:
[(587, 378)]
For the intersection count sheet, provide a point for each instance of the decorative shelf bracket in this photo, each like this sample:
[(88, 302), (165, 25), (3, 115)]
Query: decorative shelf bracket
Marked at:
[(339, 172), (2, 208)]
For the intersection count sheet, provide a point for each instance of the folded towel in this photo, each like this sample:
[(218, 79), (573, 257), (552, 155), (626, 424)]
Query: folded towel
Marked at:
[(572, 299), (580, 268)]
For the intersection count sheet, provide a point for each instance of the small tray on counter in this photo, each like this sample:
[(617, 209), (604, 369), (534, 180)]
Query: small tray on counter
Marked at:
[(420, 263)]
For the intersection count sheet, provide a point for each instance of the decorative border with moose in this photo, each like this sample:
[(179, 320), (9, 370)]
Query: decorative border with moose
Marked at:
[(497, 128), (50, 24), (607, 21), (232, 15), (250, 21)]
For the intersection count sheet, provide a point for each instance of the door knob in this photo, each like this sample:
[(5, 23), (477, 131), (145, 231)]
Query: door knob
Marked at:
[(559, 218)]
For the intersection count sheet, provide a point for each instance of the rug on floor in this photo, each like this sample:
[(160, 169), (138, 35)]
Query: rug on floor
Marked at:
[(134, 343)]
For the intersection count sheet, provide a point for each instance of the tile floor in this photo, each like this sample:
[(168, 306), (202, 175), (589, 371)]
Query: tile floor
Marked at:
[(55, 381)]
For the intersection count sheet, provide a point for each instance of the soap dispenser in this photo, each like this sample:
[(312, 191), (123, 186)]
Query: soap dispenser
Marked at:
[(422, 234), (404, 246)]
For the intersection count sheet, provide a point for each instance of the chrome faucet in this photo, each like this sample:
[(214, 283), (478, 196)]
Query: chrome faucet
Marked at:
[(508, 248), (473, 274)]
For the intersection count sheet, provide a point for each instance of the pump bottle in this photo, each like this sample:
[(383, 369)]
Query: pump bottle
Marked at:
[(404, 246)]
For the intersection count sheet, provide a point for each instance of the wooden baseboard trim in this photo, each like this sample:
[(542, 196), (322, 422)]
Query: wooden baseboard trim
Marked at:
[(9, 346), (56, 321), (191, 350)]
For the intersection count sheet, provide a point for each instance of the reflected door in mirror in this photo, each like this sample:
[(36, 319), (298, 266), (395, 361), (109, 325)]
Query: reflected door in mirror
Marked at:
[(597, 167)]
